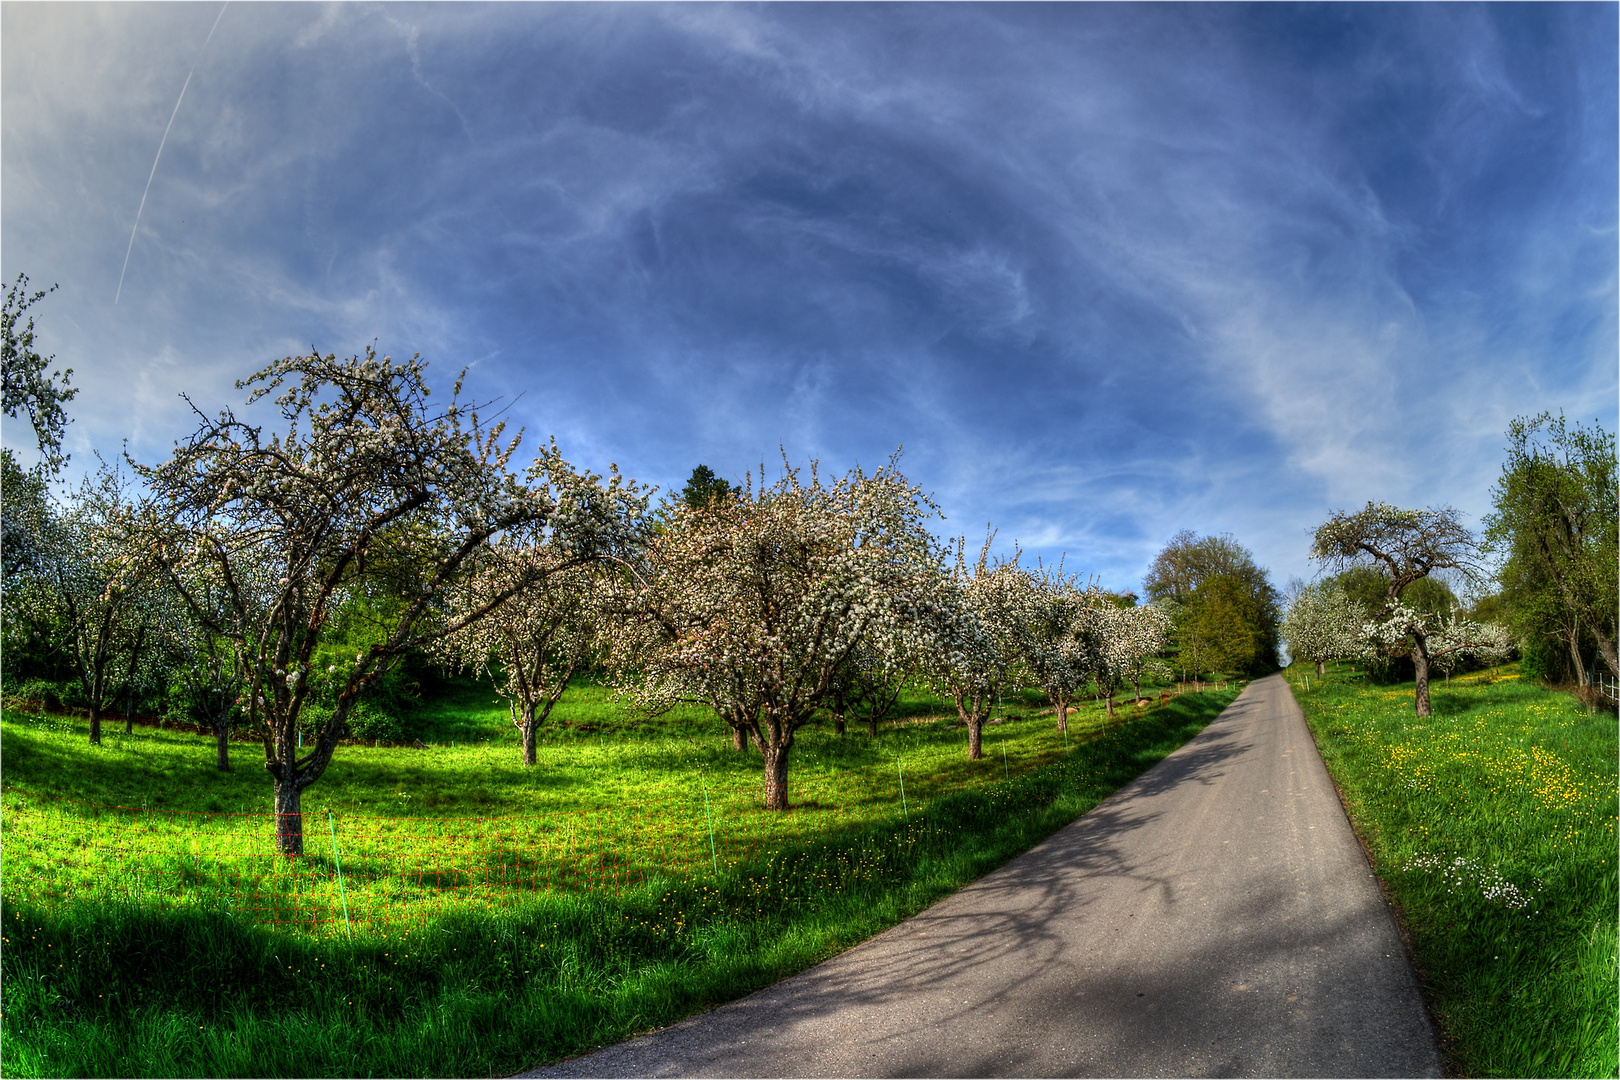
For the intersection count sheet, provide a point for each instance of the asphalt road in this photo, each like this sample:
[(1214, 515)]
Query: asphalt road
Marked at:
[(1214, 918)]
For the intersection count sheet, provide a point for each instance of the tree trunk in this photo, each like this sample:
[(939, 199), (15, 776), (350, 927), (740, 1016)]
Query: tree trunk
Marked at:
[(129, 682), (1062, 713), (94, 688), (1575, 658), (975, 735), (871, 723), (1108, 704), (739, 739), (1607, 649), (838, 723), (222, 746), (1321, 669), (776, 769), (1420, 662), (970, 714), (289, 818), (528, 725)]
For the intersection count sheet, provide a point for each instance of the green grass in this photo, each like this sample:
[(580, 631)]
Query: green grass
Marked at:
[(123, 953), (1492, 824), (468, 710), (590, 755)]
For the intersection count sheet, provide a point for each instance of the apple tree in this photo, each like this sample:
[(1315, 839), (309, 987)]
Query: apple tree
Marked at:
[(1055, 652), (90, 589), (539, 639), (979, 636), (368, 492), (753, 604), (1406, 547), (1324, 624)]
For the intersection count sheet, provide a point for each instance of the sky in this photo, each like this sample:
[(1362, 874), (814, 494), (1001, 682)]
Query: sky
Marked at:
[(1104, 272)]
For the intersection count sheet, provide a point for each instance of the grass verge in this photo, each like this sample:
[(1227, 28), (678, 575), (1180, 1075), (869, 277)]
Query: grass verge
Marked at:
[(1492, 825), (101, 988)]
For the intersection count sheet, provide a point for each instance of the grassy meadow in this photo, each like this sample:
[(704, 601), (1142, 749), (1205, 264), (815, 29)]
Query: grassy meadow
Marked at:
[(1492, 825), (474, 916), (396, 836)]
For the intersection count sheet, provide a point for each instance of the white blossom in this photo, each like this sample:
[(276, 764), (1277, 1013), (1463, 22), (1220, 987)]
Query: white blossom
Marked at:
[(752, 605), (1324, 624), (365, 491)]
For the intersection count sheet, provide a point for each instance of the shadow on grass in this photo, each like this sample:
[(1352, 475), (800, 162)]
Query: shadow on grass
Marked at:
[(1444, 702)]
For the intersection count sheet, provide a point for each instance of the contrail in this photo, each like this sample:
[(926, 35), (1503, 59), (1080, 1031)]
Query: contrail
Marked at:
[(159, 157)]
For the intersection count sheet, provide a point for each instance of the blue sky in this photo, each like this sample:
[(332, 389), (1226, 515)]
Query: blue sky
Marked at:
[(1105, 271)]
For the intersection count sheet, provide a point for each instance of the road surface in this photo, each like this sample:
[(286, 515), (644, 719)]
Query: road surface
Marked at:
[(1216, 917)]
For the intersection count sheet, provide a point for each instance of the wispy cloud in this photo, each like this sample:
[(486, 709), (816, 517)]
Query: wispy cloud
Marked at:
[(1106, 271)]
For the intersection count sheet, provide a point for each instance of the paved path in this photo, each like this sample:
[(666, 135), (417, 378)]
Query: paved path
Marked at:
[(1214, 918)]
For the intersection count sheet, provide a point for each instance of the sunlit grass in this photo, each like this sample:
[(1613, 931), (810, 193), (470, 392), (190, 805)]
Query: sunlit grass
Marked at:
[(388, 831), (1493, 824), (168, 957), (592, 755)]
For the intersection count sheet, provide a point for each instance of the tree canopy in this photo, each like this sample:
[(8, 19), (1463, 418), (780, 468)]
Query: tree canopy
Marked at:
[(1227, 610), (1222, 626), (367, 492), (28, 388), (1555, 524), (704, 487), (1405, 548)]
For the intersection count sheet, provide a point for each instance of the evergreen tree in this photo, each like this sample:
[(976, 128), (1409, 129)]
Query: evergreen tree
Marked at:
[(704, 488)]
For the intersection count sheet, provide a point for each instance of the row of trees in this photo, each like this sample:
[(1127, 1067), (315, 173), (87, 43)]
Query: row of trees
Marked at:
[(280, 575), (1553, 533), (768, 604), (250, 553)]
